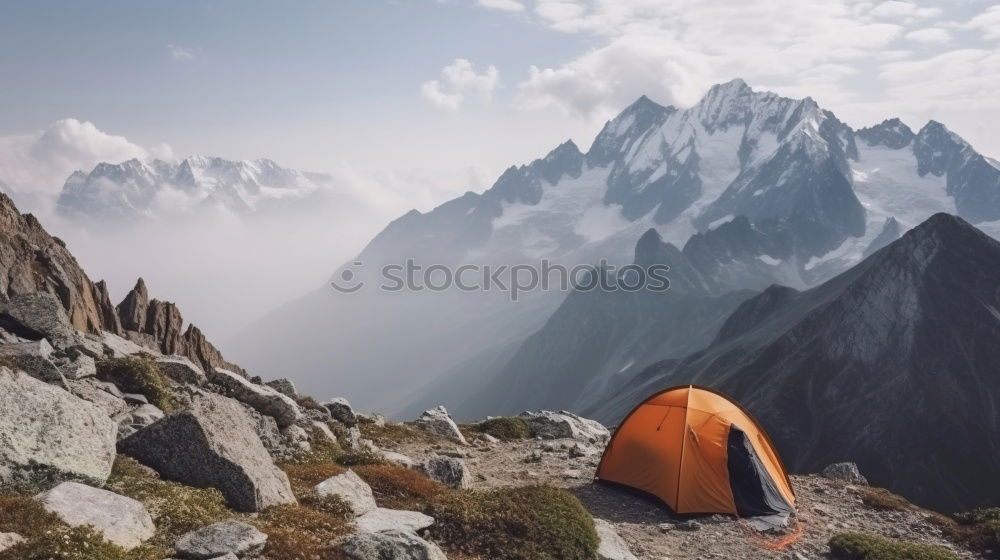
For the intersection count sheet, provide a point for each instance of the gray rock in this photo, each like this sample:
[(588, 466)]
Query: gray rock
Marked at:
[(80, 367), (135, 420), (374, 418), (42, 313), (213, 443), (437, 421), (9, 540), (546, 424), (392, 544), (296, 437), (92, 391), (580, 450), (35, 358), (48, 436), (351, 489), (284, 386), (219, 539), (382, 519), (261, 398), (398, 459), (341, 411), (845, 472), (120, 520), (448, 471), (135, 398), (181, 370), (612, 546), (689, 525), (118, 347)]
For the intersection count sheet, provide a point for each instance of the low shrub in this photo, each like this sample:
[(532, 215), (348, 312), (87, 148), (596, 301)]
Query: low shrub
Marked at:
[(397, 487), (308, 402), (859, 546), (979, 530), (391, 434), (505, 428), (527, 523), (176, 509), (47, 537), (361, 457), (138, 374), (297, 532)]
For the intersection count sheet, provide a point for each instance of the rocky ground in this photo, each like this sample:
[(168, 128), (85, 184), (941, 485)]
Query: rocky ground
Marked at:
[(825, 506)]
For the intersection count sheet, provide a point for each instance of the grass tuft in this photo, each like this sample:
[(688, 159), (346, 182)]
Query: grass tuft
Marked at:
[(505, 428), (527, 523), (860, 546), (397, 487), (138, 374), (47, 537), (297, 532)]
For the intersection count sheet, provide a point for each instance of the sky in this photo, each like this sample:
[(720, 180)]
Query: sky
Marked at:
[(411, 102)]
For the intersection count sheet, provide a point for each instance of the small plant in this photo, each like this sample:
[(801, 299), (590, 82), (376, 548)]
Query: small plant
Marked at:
[(47, 537), (298, 532), (397, 487), (176, 508), (361, 457), (527, 523), (978, 529), (393, 434), (859, 546), (505, 428), (308, 402), (138, 374)]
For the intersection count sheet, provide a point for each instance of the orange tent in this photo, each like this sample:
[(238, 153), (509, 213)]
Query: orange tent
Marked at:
[(699, 452)]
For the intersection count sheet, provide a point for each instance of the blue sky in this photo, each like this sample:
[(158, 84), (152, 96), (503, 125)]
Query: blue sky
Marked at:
[(428, 98)]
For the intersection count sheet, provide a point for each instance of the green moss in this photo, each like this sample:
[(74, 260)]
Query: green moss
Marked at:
[(527, 523), (859, 546), (176, 509), (506, 428), (47, 537), (138, 374)]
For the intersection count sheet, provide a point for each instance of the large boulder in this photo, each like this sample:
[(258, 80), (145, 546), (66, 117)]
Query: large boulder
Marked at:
[(546, 424), (284, 386), (219, 539), (261, 398), (181, 370), (94, 392), (9, 540), (437, 421), (80, 366), (341, 411), (351, 489), (120, 520), (212, 443), (391, 544), (448, 471), (845, 472), (612, 546), (48, 435), (132, 421), (117, 347), (383, 519), (37, 315), (35, 358)]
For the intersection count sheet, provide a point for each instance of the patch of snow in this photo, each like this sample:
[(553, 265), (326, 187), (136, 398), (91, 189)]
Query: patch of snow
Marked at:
[(723, 220), (769, 260), (626, 366)]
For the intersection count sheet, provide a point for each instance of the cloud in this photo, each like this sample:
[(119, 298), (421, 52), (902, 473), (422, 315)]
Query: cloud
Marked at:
[(988, 22), (929, 35), (458, 80), (178, 52), (41, 162), (502, 5)]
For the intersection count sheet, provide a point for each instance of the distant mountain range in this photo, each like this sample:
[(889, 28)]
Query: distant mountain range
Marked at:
[(135, 190)]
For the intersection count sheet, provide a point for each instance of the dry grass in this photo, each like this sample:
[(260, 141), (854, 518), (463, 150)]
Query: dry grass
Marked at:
[(391, 434), (138, 374), (298, 532), (505, 428), (397, 487), (859, 546), (47, 537)]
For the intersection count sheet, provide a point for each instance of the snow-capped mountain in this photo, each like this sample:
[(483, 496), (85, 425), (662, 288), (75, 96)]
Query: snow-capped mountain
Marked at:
[(134, 189), (748, 188)]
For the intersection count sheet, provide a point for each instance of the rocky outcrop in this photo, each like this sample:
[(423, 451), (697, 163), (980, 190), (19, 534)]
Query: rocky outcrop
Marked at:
[(181, 370), (284, 386), (212, 443), (48, 436), (845, 472), (32, 261), (159, 325), (219, 539), (392, 543), (341, 411), (261, 398), (35, 316), (546, 424), (120, 520), (34, 358), (438, 422), (448, 471), (135, 420), (351, 490)]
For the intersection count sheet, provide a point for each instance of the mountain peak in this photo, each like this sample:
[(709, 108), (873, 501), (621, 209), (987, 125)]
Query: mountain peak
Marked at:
[(891, 133)]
